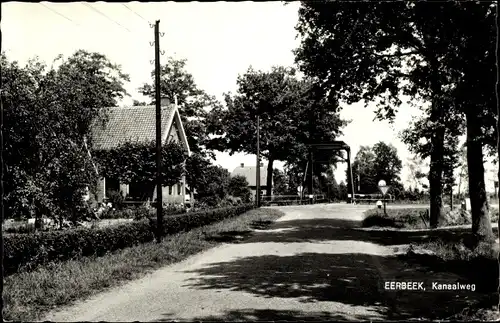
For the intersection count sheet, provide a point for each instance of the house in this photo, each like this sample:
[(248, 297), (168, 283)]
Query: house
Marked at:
[(138, 123), (250, 173)]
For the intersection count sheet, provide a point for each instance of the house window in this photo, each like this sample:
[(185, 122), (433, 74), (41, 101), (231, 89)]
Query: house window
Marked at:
[(112, 184), (140, 191), (170, 190), (179, 191)]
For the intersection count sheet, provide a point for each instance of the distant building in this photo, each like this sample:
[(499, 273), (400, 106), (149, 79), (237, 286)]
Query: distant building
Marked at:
[(250, 173)]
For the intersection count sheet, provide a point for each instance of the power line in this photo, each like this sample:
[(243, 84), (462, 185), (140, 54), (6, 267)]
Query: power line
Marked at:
[(58, 13), (138, 15), (99, 12)]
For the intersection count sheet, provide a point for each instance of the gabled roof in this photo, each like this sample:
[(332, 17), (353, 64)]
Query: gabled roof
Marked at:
[(136, 123), (250, 173)]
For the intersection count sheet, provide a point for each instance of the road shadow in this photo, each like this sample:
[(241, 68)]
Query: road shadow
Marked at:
[(252, 315), (321, 230), (325, 229), (238, 236), (353, 279)]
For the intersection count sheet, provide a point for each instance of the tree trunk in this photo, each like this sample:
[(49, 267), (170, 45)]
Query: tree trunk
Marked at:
[(435, 178), (480, 213), (497, 92), (269, 183), (437, 151)]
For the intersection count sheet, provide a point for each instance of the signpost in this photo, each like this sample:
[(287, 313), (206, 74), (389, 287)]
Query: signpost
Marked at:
[(383, 187)]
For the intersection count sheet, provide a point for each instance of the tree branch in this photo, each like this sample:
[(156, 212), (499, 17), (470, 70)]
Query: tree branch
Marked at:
[(397, 54)]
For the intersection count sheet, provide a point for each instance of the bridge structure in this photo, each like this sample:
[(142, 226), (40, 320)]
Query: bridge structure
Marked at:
[(323, 153)]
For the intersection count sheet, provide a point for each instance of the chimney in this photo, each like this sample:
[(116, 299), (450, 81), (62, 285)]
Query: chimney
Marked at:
[(242, 165), (164, 101)]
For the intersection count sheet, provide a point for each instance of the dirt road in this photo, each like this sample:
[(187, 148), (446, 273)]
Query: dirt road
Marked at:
[(311, 264)]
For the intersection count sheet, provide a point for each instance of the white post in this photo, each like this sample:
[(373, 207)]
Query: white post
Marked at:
[(183, 187), (103, 188)]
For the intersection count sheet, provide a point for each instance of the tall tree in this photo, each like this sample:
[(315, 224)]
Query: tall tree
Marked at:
[(333, 190), (48, 115), (363, 171), (372, 164), (474, 95), (418, 138), (238, 187), (292, 116), (280, 182), (194, 103), (214, 185), (387, 43), (387, 163), (463, 176), (395, 48), (416, 165)]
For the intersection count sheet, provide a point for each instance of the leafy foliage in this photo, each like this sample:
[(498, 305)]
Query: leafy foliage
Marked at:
[(135, 162), (292, 116), (395, 48), (177, 83), (48, 114), (196, 171), (238, 187), (373, 164), (27, 251), (418, 138), (212, 186), (415, 166), (281, 185)]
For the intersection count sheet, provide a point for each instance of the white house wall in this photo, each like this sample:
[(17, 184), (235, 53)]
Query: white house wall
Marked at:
[(173, 135)]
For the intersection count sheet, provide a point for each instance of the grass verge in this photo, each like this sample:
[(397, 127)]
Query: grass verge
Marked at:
[(417, 218), (28, 296), (477, 265), (450, 250), (395, 218)]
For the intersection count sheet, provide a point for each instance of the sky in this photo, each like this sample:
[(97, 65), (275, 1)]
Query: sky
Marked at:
[(219, 40)]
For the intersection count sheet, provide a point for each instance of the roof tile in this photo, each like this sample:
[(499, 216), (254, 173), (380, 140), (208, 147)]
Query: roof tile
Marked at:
[(136, 123)]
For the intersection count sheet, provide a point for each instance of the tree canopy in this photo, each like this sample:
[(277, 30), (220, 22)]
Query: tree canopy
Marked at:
[(48, 113), (379, 51), (176, 83), (291, 117), (372, 164), (135, 162)]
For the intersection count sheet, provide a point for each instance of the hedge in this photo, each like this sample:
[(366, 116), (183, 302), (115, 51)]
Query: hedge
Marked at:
[(27, 251)]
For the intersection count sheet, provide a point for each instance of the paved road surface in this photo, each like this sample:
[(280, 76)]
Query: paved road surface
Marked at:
[(311, 264)]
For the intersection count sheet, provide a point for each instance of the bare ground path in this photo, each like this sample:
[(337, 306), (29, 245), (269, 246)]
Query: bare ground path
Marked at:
[(311, 264)]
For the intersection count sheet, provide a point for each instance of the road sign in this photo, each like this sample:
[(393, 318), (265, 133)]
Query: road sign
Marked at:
[(383, 187)]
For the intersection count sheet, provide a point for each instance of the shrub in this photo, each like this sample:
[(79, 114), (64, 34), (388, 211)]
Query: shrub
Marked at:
[(238, 187), (27, 251), (376, 220), (116, 199), (173, 209)]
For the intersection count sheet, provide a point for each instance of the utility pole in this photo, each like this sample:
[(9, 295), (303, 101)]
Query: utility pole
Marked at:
[(159, 191), (257, 179)]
